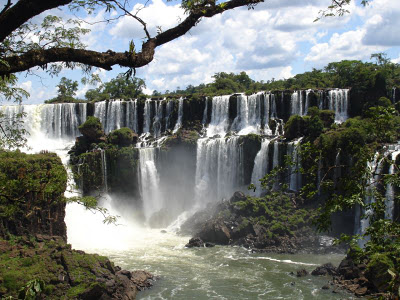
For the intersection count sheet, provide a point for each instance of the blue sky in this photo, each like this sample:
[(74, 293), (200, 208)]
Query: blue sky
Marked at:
[(276, 40)]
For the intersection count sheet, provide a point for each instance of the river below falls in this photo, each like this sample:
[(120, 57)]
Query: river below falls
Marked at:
[(221, 272)]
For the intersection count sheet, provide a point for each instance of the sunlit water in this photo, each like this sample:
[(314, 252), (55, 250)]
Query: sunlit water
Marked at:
[(222, 272)]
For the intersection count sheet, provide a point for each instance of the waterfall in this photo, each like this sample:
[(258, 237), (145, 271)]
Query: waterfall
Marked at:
[(147, 116), (158, 118), (274, 113), (307, 105), (275, 159), (295, 174), (241, 122), (180, 114), (131, 115), (104, 169), (390, 195), (260, 165), (297, 103), (338, 102), (169, 109), (219, 116), (218, 169), (149, 182), (363, 223), (205, 113), (58, 121), (320, 100)]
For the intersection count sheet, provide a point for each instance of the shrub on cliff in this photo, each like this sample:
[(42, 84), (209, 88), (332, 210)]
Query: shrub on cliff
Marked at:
[(122, 137), (309, 126), (92, 129)]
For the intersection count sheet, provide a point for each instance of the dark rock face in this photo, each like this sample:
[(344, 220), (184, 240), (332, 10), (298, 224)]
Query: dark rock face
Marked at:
[(324, 270), (195, 242), (215, 231), (301, 273)]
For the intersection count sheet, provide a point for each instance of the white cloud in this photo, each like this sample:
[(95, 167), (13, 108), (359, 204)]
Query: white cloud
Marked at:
[(156, 14), (264, 41), (382, 23)]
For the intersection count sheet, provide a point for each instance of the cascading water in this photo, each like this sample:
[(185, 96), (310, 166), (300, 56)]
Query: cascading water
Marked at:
[(150, 182), (338, 102), (390, 195), (218, 169), (297, 103), (147, 116), (295, 174), (307, 105), (158, 119), (131, 115), (260, 165), (219, 116), (180, 114), (104, 169), (169, 109)]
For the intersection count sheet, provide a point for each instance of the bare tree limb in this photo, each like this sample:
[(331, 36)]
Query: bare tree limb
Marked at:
[(23, 11), (6, 6)]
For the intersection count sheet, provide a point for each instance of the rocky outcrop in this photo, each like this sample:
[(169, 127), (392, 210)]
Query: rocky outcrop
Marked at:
[(262, 224), (64, 272), (371, 277)]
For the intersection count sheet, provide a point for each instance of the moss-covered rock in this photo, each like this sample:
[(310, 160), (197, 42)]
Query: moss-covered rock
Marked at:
[(378, 271), (92, 129), (63, 273), (122, 137), (32, 188)]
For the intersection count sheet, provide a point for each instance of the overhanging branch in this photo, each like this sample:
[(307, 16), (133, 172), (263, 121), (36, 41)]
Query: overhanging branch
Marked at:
[(106, 60)]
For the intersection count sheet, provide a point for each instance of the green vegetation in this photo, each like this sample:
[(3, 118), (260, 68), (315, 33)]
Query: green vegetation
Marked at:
[(28, 182), (66, 91), (358, 141), (37, 268), (122, 137), (380, 75), (121, 87), (92, 129), (278, 213)]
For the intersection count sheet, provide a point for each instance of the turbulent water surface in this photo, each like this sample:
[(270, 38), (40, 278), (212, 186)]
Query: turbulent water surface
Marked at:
[(221, 272)]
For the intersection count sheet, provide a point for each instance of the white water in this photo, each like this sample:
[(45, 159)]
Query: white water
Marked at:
[(218, 169), (260, 165), (338, 102), (219, 116), (297, 103), (295, 174), (180, 115), (150, 182)]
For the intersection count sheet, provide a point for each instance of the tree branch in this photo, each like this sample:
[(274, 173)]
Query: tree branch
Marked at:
[(6, 6), (23, 11), (105, 60)]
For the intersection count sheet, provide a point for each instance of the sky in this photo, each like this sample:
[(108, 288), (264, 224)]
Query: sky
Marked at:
[(278, 39)]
